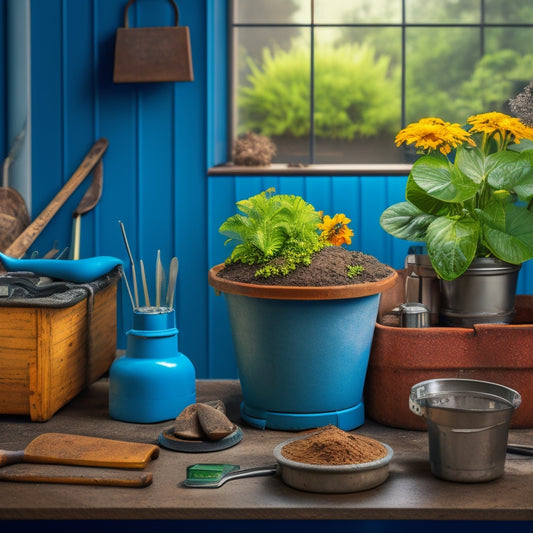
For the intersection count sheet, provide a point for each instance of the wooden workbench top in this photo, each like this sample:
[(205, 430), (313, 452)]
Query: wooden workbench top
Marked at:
[(410, 493)]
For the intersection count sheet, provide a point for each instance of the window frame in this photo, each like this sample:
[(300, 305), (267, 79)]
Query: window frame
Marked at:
[(222, 165)]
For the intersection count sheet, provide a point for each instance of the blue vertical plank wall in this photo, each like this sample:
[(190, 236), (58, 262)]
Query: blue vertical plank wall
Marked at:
[(155, 166), (163, 137), (3, 61)]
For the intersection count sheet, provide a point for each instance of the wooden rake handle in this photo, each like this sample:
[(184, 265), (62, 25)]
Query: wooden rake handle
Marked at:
[(51, 474), (21, 244)]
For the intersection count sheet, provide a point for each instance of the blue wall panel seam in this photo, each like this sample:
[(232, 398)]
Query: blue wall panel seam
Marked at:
[(64, 95), (96, 117)]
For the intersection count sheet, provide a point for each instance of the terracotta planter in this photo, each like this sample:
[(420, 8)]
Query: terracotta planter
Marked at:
[(402, 357), (302, 352)]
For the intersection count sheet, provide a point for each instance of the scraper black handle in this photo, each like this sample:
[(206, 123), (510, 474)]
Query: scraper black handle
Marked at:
[(520, 449), (10, 458)]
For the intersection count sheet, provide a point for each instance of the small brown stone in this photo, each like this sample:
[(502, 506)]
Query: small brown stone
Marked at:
[(217, 404), (187, 425), (214, 423)]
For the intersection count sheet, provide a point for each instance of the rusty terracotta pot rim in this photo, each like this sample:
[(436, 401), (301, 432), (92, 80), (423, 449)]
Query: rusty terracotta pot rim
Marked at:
[(280, 292)]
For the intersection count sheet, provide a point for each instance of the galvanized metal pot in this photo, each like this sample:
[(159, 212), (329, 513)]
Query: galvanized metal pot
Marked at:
[(484, 294)]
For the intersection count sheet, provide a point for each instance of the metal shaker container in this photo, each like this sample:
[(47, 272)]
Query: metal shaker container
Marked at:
[(422, 284), (414, 315)]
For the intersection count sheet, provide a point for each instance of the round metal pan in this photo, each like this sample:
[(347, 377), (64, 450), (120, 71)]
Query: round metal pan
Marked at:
[(329, 479)]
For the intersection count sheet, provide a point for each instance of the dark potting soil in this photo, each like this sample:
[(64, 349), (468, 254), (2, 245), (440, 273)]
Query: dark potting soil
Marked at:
[(329, 266)]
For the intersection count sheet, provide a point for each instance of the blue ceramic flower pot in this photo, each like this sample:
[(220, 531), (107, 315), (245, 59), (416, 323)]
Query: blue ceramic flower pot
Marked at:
[(302, 355), (153, 381)]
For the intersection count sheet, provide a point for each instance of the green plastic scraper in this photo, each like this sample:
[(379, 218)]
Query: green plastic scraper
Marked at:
[(211, 476)]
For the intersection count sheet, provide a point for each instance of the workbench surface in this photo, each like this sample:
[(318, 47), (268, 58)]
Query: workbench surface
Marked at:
[(410, 493)]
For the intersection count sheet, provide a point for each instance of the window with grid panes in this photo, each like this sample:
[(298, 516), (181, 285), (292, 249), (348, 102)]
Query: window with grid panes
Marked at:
[(332, 81)]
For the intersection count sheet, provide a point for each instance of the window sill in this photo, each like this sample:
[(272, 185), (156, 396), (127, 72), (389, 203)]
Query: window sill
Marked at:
[(283, 169)]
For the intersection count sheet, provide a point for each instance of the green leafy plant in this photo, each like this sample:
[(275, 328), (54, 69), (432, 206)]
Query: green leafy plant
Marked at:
[(355, 270), (469, 195), (280, 232)]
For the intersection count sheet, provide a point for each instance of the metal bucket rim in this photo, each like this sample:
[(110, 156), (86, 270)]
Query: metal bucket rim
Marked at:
[(489, 266), (421, 392)]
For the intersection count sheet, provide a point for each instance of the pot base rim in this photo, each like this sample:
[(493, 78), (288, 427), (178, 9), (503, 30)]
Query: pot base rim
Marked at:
[(345, 419)]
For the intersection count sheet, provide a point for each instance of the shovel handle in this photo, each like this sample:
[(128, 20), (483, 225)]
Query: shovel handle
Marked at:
[(8, 457), (111, 479), (26, 238)]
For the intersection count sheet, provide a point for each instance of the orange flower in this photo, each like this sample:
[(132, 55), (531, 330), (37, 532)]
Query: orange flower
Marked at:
[(335, 230)]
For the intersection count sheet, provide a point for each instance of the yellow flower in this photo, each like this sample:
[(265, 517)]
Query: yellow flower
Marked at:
[(502, 126), (434, 134), (335, 230)]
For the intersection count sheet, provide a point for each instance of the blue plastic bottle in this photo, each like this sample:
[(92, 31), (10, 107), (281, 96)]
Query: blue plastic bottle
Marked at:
[(153, 381)]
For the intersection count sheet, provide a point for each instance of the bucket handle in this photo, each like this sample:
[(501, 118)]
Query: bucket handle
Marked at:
[(175, 7), (415, 407)]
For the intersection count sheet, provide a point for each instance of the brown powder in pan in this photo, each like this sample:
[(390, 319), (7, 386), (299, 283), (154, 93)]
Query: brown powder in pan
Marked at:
[(333, 446)]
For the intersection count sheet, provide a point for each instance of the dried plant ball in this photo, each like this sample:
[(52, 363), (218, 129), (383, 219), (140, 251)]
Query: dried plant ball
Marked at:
[(522, 105), (253, 150)]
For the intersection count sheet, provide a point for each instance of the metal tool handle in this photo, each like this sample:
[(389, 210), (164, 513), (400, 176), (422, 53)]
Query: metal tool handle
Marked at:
[(236, 474), (249, 472), (520, 449)]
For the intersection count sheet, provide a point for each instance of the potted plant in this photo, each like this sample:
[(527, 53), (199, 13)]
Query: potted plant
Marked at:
[(468, 198), (302, 310)]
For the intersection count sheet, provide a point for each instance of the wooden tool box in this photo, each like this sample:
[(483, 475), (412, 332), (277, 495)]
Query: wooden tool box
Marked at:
[(50, 353)]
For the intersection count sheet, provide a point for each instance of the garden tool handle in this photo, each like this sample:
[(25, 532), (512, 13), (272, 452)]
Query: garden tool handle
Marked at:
[(8, 457), (90, 477), (251, 472), (28, 236)]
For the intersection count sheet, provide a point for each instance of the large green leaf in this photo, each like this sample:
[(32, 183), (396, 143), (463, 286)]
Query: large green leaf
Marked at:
[(493, 214), (512, 171), (269, 239), (508, 232), (236, 228), (421, 199), (525, 144), (442, 180), (470, 161), (451, 244), (405, 221)]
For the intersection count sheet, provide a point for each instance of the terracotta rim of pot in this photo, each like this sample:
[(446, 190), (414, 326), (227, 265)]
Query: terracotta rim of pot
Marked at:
[(279, 292)]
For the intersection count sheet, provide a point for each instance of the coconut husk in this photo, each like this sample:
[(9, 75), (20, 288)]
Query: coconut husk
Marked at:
[(14, 217)]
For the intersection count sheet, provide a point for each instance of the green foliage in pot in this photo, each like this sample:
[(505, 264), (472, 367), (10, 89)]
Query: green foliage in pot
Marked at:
[(280, 232), (469, 195)]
